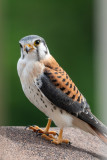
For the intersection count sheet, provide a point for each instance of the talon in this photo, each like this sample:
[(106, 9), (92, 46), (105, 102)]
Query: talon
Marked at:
[(39, 134), (37, 130), (51, 140), (27, 127), (49, 135), (69, 143), (33, 126), (46, 131), (60, 140)]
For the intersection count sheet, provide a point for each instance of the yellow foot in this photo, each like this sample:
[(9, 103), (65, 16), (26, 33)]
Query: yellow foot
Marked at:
[(60, 140), (45, 131), (55, 140), (39, 130), (49, 135)]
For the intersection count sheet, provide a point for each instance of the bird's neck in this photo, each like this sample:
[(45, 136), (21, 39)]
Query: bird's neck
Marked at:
[(50, 62)]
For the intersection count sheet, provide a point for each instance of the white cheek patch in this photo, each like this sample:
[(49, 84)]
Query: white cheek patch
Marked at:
[(42, 50)]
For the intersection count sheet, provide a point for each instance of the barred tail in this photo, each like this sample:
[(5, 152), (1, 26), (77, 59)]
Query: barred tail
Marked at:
[(101, 133), (96, 126)]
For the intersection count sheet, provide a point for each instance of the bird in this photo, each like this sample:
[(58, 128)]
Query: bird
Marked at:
[(52, 91)]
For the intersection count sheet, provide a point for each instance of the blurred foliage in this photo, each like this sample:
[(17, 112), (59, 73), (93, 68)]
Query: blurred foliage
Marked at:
[(67, 27)]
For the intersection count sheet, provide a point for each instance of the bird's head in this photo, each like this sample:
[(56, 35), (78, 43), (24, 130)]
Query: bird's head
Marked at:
[(33, 47)]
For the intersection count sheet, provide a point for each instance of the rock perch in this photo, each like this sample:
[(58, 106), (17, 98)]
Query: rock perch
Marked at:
[(16, 143)]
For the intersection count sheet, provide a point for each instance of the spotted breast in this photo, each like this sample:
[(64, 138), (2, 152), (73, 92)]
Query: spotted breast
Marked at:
[(31, 79)]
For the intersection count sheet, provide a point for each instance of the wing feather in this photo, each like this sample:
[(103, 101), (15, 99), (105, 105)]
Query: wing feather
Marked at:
[(61, 80), (62, 92), (55, 90)]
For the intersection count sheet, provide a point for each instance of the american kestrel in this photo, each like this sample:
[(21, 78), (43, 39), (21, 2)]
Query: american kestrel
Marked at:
[(51, 90)]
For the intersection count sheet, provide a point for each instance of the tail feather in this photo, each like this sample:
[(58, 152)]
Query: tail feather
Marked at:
[(100, 129), (101, 134), (97, 127)]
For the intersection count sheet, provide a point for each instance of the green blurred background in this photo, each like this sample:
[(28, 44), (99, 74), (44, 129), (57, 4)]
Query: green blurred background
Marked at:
[(67, 27)]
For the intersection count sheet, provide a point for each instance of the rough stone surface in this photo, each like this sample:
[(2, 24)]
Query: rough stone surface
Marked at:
[(16, 143)]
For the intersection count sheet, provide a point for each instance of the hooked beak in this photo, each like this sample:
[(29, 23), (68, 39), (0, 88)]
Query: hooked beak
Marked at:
[(28, 48)]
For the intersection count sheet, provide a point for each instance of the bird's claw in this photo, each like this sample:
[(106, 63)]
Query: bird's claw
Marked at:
[(69, 143), (38, 134), (39, 131)]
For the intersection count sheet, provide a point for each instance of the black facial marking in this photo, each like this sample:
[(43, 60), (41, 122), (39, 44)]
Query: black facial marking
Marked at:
[(57, 84), (38, 54)]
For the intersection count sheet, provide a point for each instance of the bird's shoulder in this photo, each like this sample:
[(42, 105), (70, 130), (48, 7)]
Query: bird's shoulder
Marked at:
[(61, 80), (58, 87)]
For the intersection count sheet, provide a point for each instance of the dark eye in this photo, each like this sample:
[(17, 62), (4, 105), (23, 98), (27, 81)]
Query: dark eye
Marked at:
[(36, 43)]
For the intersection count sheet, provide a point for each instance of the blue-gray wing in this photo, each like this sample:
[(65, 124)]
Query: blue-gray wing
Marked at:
[(62, 101)]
